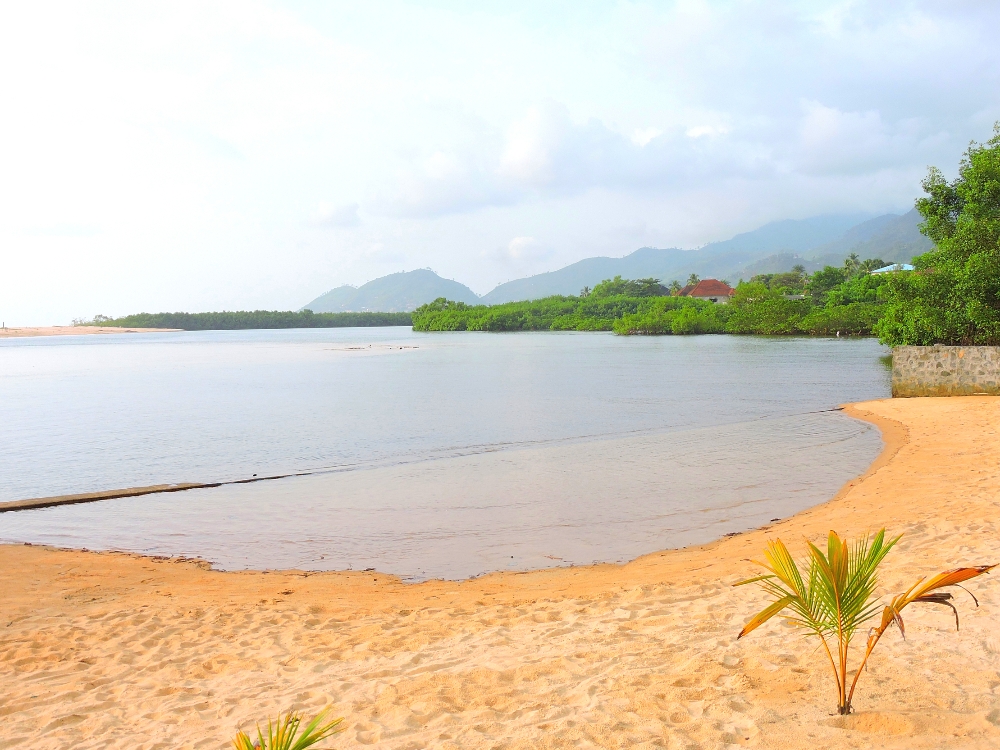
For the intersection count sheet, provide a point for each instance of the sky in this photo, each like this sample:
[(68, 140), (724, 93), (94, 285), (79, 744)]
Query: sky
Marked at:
[(241, 155)]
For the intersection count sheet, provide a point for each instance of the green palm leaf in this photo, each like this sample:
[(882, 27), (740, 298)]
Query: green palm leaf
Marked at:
[(836, 596), (283, 733)]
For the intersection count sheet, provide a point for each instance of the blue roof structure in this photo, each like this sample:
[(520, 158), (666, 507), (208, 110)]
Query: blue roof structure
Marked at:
[(894, 267)]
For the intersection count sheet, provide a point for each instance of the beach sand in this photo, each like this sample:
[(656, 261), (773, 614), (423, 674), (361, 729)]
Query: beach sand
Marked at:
[(102, 650), (25, 331)]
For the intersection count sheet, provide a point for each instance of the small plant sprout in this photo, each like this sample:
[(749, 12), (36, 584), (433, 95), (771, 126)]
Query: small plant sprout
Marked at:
[(835, 598), (283, 733)]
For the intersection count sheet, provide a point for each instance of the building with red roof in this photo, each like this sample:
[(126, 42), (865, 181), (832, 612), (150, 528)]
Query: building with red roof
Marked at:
[(712, 290)]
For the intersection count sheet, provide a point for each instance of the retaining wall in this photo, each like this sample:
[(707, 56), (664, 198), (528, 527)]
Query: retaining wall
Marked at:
[(945, 371)]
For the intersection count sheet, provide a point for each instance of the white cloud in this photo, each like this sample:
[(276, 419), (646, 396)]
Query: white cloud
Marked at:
[(530, 145), (520, 251), (521, 247), (700, 131), (642, 136), (545, 154), (337, 216), (832, 141), (206, 133)]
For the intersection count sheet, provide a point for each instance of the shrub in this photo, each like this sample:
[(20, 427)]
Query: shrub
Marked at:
[(834, 599), (283, 734)]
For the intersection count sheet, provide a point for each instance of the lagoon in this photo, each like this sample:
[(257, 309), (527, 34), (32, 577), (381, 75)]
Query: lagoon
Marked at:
[(428, 455)]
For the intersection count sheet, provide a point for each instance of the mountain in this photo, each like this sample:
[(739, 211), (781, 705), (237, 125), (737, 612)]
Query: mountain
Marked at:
[(788, 235), (336, 300), (721, 260), (773, 248), (894, 239), (643, 263), (397, 292), (779, 263)]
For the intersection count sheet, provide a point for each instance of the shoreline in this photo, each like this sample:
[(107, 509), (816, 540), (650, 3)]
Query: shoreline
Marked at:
[(894, 436), (34, 331), (518, 655)]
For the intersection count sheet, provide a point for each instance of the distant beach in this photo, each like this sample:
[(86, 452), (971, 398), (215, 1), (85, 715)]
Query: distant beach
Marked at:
[(26, 331), (102, 649)]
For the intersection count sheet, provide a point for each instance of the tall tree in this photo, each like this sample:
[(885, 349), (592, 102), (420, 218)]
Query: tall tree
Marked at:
[(953, 297), (871, 264)]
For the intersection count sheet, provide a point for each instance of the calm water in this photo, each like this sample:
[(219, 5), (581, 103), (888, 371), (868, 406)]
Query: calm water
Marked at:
[(432, 454)]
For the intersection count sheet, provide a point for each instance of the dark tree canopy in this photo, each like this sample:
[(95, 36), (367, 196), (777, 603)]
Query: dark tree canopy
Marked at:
[(253, 319), (629, 288)]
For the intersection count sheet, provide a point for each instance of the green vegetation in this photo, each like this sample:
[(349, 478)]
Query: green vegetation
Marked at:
[(233, 321), (619, 287), (283, 734), (953, 297), (673, 315), (835, 598), (590, 313), (831, 301), (834, 300)]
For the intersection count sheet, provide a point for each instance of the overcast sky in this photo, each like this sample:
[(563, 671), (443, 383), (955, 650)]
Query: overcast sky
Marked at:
[(213, 155)]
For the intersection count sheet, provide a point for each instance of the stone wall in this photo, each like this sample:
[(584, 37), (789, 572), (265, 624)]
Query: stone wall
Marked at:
[(945, 371)]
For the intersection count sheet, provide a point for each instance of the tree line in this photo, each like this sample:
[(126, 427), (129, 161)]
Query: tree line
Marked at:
[(248, 319), (952, 296), (834, 299)]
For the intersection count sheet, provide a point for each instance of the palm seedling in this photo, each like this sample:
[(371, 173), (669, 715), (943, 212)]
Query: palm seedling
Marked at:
[(283, 733), (835, 597)]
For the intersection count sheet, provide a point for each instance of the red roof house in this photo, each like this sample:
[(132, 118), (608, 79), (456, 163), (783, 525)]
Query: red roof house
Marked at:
[(710, 289)]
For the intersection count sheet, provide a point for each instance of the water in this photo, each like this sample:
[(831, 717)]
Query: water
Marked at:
[(431, 455)]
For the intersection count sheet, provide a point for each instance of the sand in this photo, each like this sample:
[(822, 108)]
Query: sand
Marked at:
[(25, 331), (104, 650)]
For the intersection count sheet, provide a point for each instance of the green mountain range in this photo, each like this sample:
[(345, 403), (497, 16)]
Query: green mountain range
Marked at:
[(773, 248)]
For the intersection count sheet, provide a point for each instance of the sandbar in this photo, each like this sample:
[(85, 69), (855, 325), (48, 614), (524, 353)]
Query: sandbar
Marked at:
[(112, 650), (26, 331)]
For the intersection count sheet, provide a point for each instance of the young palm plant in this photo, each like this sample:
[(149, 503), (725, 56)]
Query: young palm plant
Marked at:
[(283, 733), (834, 599)]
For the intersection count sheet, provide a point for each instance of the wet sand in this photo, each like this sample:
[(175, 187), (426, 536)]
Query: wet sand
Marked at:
[(25, 331), (120, 651)]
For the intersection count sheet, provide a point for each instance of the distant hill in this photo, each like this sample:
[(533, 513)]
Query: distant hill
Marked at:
[(336, 300), (397, 292), (721, 260), (644, 262), (778, 263), (892, 238), (773, 248)]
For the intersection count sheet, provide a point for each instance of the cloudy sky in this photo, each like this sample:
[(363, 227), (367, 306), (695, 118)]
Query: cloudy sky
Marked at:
[(238, 155)]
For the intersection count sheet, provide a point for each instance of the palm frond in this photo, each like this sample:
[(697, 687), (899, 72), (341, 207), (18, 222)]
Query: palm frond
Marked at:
[(837, 596), (283, 733), (317, 731), (951, 578), (755, 579), (781, 563), (764, 615)]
